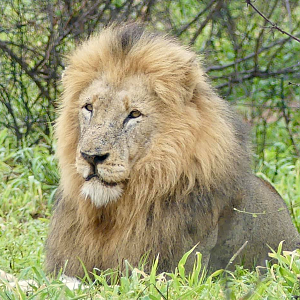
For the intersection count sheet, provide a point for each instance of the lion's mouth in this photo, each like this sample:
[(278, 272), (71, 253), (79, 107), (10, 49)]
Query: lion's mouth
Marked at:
[(105, 183)]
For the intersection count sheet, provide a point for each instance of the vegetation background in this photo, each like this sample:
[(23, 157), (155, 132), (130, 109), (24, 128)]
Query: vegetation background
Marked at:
[(251, 62)]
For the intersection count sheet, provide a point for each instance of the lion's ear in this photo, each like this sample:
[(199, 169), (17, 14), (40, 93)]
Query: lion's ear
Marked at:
[(191, 79), (197, 83), (177, 83)]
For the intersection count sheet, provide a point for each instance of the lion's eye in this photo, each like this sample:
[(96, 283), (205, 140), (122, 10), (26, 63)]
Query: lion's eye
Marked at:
[(134, 114), (89, 107)]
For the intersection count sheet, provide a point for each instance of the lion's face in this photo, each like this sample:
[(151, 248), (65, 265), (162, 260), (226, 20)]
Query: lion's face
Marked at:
[(116, 128)]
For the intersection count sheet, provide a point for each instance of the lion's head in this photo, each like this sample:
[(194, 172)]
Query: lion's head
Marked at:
[(137, 118)]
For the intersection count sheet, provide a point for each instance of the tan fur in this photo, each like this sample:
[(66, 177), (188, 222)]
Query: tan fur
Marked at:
[(177, 171)]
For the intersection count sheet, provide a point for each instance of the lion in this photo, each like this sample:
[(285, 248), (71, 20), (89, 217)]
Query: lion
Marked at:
[(154, 162)]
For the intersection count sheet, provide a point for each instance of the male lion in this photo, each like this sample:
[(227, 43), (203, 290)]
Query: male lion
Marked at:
[(153, 162)]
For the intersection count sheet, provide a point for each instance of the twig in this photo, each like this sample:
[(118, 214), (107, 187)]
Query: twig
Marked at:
[(291, 83), (206, 21), (250, 74), (260, 37), (25, 67), (264, 106), (262, 49), (185, 27), (236, 255), (273, 24)]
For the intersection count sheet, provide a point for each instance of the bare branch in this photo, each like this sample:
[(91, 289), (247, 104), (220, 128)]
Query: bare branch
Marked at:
[(185, 27), (291, 83), (273, 24), (206, 21), (249, 56), (25, 67), (250, 74)]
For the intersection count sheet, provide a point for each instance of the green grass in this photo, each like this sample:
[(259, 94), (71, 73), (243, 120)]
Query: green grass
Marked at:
[(28, 180)]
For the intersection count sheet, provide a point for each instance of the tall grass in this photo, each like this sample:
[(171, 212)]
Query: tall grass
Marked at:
[(28, 180)]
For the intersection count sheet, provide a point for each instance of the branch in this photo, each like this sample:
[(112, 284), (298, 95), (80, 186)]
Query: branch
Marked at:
[(205, 22), (185, 27), (147, 14), (273, 24), (260, 36), (5, 95), (25, 67), (262, 49), (250, 74), (291, 83)]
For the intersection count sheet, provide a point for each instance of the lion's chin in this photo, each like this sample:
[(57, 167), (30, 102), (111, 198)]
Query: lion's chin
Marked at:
[(100, 193)]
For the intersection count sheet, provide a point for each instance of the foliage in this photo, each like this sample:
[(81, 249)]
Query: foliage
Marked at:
[(28, 179), (28, 183), (250, 63)]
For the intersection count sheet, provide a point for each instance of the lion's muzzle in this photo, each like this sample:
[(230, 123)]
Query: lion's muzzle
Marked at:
[(105, 176)]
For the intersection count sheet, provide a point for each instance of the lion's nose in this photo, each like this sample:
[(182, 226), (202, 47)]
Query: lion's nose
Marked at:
[(94, 159)]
